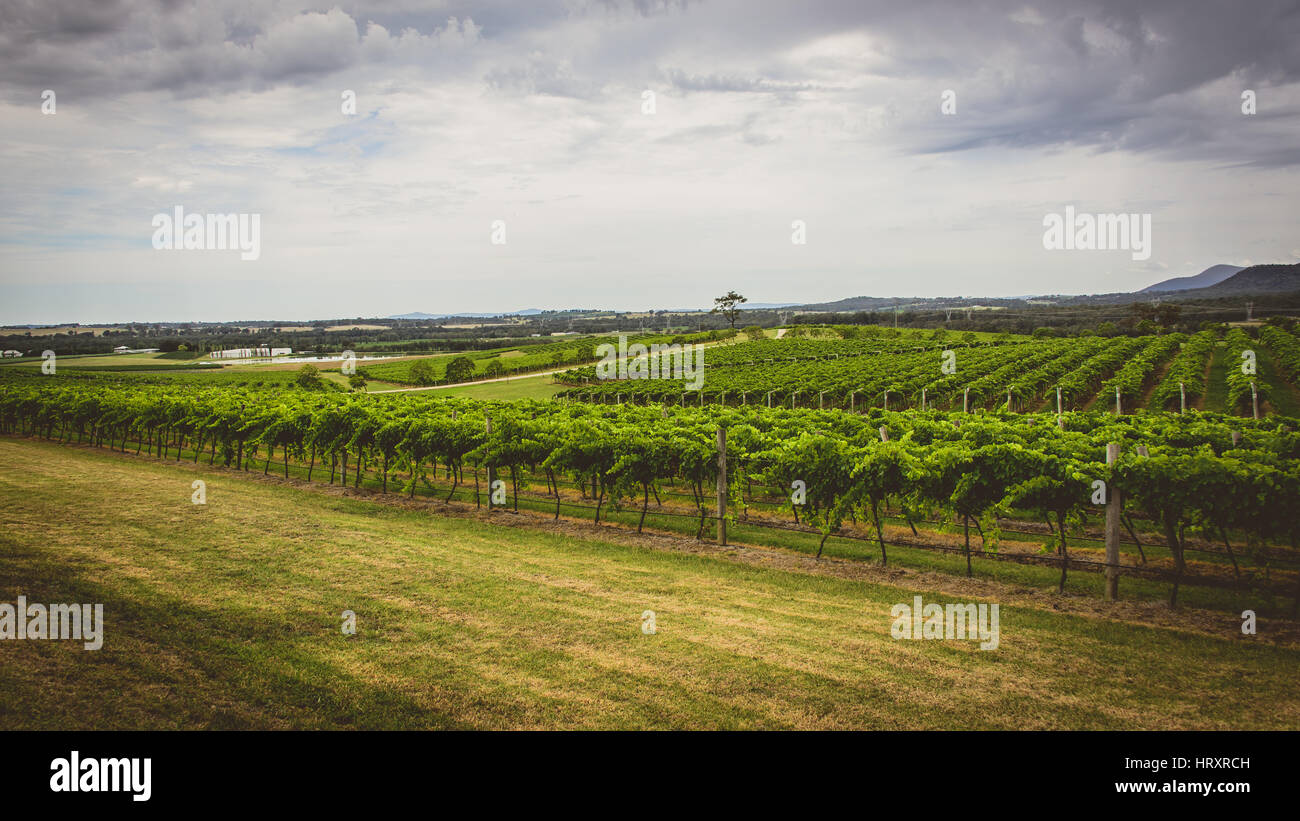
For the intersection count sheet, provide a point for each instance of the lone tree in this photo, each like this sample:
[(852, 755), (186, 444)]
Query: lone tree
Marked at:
[(421, 372), (308, 377), (460, 369), (729, 306)]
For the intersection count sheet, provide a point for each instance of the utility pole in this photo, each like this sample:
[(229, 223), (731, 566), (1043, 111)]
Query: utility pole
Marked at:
[(1249, 306)]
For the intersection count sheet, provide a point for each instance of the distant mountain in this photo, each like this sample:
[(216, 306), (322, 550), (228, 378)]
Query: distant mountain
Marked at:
[(420, 315), (1205, 279), (766, 306), (882, 303), (1257, 279), (853, 303)]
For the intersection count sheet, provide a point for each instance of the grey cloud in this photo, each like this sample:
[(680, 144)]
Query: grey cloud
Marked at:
[(684, 81)]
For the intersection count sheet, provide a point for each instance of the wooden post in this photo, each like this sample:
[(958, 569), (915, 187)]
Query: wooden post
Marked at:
[(1113, 510), (884, 433), (1118, 410), (722, 486), (1008, 399), (1058, 401), (922, 398), (1182, 398), (1236, 438), (491, 473), (852, 399), (965, 395), (886, 400), (820, 404), (1254, 401)]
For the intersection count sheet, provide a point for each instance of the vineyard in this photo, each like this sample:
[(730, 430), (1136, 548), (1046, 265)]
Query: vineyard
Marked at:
[(855, 374), (1168, 372), (1210, 498), (509, 361)]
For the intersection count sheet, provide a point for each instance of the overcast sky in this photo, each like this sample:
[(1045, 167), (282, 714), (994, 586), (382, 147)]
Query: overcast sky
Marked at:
[(532, 113)]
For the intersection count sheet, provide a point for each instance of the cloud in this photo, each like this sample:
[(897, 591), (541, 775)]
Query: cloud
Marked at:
[(767, 111)]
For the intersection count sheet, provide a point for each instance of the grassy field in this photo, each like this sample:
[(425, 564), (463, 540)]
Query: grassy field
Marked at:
[(517, 387), (1216, 389), (227, 615), (101, 360)]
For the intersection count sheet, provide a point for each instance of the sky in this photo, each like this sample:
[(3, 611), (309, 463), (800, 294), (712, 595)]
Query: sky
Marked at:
[(572, 154)]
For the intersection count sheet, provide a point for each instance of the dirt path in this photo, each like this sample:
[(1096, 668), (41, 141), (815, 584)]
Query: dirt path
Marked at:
[(468, 384), (1155, 379)]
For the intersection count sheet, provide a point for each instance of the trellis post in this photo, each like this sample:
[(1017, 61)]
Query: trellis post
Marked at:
[(1113, 510), (491, 473), (722, 485)]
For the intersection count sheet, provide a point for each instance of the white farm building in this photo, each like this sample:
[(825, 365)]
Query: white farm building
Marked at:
[(250, 353)]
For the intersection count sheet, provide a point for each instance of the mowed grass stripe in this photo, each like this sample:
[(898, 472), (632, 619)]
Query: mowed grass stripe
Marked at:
[(227, 615)]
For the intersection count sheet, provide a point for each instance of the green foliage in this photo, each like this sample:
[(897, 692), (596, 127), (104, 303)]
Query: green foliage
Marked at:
[(969, 465), (421, 372), (460, 369), (308, 377)]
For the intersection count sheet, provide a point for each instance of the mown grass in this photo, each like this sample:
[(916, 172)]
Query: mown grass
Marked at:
[(1285, 398), (1216, 389), (228, 614), (517, 387)]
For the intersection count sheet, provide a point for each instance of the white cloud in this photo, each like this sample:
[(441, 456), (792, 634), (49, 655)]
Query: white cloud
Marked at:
[(828, 114)]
